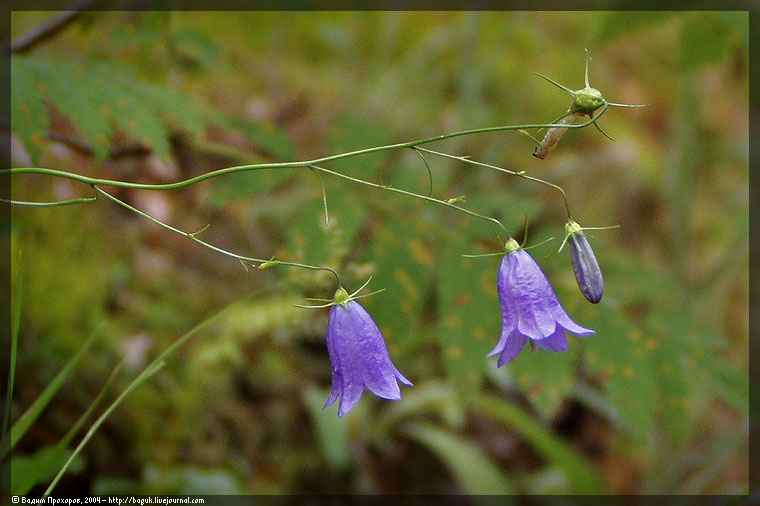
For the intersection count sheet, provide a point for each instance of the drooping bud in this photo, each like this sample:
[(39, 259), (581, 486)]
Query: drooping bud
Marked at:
[(586, 268)]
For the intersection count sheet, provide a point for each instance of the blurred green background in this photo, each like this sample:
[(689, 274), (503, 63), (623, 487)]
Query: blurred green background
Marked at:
[(655, 402)]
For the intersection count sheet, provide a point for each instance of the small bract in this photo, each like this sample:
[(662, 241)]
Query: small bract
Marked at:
[(529, 307)]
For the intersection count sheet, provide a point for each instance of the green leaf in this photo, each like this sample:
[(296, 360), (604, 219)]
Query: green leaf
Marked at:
[(330, 431), (29, 117), (98, 98), (469, 312), (704, 39), (80, 95), (555, 451), (474, 471)]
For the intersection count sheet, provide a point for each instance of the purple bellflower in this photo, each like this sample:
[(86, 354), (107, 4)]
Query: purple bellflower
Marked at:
[(359, 356), (530, 309)]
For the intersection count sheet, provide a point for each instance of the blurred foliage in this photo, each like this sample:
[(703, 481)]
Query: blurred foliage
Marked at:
[(655, 402)]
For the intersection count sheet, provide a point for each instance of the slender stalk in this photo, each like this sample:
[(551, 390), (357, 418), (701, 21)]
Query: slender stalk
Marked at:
[(262, 262), (78, 200), (279, 165), (412, 194), (501, 169)]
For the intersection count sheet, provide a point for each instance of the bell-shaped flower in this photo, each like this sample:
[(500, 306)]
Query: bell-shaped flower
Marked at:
[(530, 309), (359, 356)]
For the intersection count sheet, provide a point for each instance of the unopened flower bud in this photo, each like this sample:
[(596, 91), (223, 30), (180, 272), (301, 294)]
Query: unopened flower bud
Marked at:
[(586, 269)]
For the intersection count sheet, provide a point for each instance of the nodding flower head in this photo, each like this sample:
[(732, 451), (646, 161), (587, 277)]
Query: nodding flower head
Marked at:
[(529, 307), (359, 356)]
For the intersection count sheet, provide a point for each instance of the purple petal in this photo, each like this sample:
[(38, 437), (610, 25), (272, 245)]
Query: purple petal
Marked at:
[(379, 374), (509, 315), (346, 358), (513, 345), (509, 346), (534, 294), (564, 320), (359, 357), (337, 379), (557, 342)]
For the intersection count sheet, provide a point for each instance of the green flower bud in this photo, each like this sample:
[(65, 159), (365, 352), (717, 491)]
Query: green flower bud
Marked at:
[(587, 100)]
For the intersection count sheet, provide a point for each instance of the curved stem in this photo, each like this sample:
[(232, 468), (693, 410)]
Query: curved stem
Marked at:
[(412, 194), (78, 200), (267, 263), (430, 173), (500, 169), (277, 165)]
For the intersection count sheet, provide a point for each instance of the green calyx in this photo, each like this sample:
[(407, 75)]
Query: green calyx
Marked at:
[(587, 100), (341, 297), (572, 227), (511, 245)]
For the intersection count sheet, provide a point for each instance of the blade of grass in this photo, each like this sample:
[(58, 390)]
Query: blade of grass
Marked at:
[(14, 347), (153, 368), (58, 453), (26, 420), (149, 371), (579, 474)]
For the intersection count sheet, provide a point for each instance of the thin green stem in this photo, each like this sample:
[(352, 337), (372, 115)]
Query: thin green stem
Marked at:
[(506, 171), (412, 194), (262, 263), (276, 165), (78, 200), (430, 173), (324, 196)]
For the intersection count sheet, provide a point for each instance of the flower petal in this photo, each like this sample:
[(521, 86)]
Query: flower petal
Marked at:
[(379, 374), (337, 378), (535, 295), (556, 342), (513, 345), (509, 316), (347, 360), (564, 320), (359, 357)]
